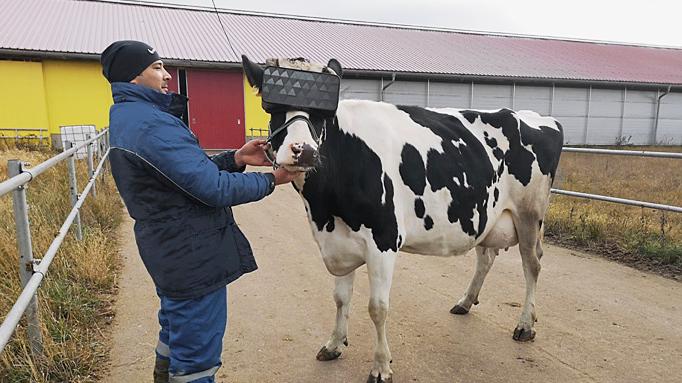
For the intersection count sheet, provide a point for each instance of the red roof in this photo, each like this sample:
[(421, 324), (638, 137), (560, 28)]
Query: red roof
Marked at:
[(87, 27)]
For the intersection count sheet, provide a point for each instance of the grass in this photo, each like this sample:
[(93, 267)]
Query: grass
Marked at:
[(649, 239), (76, 296)]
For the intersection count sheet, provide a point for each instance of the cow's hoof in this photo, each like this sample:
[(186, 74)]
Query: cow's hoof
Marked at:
[(379, 379), (459, 310), (524, 335), (325, 355)]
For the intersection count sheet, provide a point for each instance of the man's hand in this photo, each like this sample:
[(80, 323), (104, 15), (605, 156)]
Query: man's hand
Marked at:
[(252, 153), (283, 176)]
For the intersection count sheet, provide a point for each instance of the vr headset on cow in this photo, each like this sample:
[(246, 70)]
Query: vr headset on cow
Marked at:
[(286, 89)]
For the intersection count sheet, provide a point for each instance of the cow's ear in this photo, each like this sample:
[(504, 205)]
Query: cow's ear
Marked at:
[(335, 65), (254, 73)]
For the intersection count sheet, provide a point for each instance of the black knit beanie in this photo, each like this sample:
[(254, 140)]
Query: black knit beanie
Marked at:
[(123, 60)]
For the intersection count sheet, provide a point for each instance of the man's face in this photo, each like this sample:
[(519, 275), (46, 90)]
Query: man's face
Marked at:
[(155, 77)]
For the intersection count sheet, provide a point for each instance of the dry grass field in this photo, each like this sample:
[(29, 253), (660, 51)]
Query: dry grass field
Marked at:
[(76, 296), (646, 238)]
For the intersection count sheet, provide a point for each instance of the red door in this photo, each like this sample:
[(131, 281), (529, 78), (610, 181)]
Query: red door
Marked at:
[(216, 107)]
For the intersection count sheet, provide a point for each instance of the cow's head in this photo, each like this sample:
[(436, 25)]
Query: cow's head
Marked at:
[(298, 115)]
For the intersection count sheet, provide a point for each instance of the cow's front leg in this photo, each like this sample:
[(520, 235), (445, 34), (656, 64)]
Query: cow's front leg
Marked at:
[(342, 295), (380, 270)]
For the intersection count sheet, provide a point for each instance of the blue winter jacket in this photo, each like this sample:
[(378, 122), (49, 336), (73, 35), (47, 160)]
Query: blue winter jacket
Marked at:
[(179, 197)]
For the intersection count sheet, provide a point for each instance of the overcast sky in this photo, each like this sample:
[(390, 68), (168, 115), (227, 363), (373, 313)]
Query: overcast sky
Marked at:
[(652, 22)]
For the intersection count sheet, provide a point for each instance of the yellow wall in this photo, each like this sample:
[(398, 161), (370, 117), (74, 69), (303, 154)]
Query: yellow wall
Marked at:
[(53, 93), (254, 114), (22, 99), (76, 94)]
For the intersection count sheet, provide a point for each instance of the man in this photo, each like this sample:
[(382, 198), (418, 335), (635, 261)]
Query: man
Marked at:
[(180, 199)]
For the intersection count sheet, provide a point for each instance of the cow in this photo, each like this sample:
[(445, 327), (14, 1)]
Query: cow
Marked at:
[(382, 178)]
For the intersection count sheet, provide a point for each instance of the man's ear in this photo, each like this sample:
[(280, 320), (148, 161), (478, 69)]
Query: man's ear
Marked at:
[(254, 73), (335, 65)]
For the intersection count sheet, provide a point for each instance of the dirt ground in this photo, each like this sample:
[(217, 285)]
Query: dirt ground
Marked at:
[(598, 321)]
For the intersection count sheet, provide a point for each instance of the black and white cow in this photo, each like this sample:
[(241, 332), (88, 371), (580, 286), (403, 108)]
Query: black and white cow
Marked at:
[(420, 180)]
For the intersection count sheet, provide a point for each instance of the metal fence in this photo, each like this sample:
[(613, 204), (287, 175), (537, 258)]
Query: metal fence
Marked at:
[(25, 134), (32, 271), (623, 201), (259, 133)]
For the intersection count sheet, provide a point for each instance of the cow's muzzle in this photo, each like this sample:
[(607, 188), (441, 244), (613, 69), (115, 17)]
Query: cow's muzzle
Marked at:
[(305, 155)]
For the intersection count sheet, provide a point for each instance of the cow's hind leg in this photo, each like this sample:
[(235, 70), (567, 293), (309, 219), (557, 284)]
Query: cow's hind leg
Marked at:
[(530, 247), (342, 295), (380, 270), (484, 261)]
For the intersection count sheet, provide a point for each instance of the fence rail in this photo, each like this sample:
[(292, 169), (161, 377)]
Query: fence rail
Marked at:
[(28, 136), (637, 153), (624, 201), (33, 271), (258, 133)]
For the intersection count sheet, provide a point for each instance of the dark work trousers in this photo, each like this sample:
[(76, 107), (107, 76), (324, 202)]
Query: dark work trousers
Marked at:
[(191, 336)]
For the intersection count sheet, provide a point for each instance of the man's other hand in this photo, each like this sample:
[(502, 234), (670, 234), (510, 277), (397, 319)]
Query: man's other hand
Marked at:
[(252, 153), (283, 176)]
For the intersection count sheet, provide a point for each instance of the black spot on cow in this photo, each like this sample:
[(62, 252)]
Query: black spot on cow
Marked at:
[(545, 143), (335, 190), (517, 158), (428, 223), (331, 225), (400, 241), (419, 208), (470, 115), (492, 143), (277, 120), (412, 169), (497, 194), (467, 162)]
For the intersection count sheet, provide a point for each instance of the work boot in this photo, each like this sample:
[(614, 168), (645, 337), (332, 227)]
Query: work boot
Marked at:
[(161, 370)]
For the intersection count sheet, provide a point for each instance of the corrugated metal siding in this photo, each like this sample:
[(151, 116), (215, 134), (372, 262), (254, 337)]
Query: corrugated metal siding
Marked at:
[(536, 98), (670, 120), (406, 92), (360, 89), (449, 95), (605, 111), (640, 110), (88, 27)]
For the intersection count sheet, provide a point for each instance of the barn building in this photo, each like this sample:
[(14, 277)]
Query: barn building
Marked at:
[(603, 93)]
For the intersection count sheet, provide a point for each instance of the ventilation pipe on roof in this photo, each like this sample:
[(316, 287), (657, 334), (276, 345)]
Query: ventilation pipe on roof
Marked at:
[(658, 109), (387, 85)]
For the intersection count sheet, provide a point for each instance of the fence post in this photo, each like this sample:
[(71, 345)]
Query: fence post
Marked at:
[(73, 185), (107, 146), (23, 230), (91, 168)]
